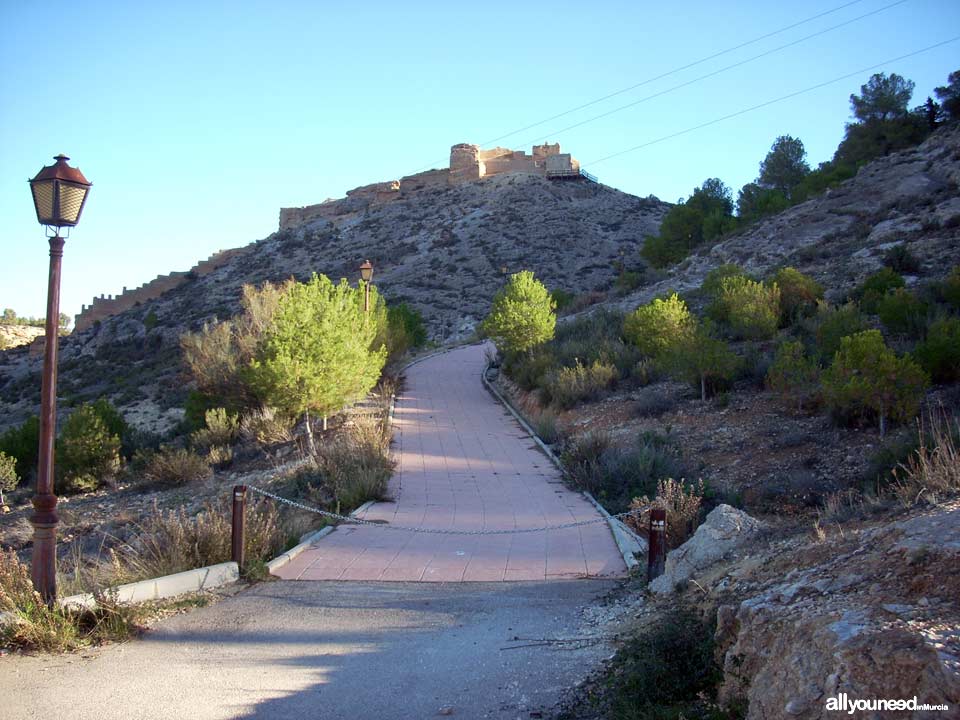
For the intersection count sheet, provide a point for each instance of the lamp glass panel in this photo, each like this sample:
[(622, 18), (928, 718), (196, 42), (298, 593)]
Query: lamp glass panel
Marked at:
[(43, 199), (71, 200)]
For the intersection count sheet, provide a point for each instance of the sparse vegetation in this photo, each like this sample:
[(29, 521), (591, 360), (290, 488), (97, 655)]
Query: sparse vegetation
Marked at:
[(8, 476), (569, 386), (933, 471), (939, 354), (702, 360), (680, 500), (794, 376), (171, 467), (902, 313)]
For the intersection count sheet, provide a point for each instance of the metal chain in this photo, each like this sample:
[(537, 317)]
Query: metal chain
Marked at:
[(436, 531)]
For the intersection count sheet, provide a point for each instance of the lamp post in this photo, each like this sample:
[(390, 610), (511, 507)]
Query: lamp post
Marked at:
[(59, 193), (366, 274)]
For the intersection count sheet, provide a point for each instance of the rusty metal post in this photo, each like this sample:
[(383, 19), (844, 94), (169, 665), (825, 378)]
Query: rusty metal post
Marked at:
[(658, 543), (43, 569), (237, 536)]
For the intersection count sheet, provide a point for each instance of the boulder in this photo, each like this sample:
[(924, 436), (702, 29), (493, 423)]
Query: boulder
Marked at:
[(724, 530)]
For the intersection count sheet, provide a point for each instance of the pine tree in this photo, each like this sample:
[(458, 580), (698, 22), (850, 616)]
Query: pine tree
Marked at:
[(522, 315)]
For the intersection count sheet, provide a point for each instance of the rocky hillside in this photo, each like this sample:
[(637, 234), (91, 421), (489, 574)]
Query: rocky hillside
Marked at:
[(911, 197), (444, 251), (16, 335)]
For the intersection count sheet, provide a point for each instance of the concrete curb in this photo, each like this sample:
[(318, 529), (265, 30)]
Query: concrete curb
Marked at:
[(625, 544), (205, 578), (280, 560)]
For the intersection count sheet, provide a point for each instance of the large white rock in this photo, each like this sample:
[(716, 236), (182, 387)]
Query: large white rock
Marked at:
[(725, 529)]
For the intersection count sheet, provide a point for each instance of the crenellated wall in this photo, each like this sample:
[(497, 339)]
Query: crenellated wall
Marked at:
[(106, 306), (468, 163)]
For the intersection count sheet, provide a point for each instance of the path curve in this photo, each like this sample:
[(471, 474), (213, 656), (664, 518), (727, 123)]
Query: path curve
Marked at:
[(464, 462)]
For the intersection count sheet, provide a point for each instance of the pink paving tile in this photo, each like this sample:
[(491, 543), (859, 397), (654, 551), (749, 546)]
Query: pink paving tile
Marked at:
[(463, 463)]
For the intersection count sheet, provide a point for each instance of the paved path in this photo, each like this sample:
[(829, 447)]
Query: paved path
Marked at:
[(463, 462), (330, 651)]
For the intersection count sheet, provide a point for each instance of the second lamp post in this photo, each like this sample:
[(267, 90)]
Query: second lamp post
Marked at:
[(366, 274)]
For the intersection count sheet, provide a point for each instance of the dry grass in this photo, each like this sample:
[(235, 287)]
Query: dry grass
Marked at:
[(266, 426), (932, 473), (681, 501), (171, 467), (355, 465)]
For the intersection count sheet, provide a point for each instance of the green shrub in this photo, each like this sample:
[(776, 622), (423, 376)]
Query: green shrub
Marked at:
[(702, 360), (569, 386), (751, 309), (615, 475), (793, 376), (8, 476), (591, 338), (901, 260), (405, 330), (799, 294), (112, 419), (529, 370), (88, 455), (950, 288), (171, 467), (561, 299), (832, 324), (712, 284), (22, 443), (939, 354), (627, 281), (867, 379), (220, 429), (875, 287), (666, 671), (522, 315), (902, 313), (545, 425), (653, 328)]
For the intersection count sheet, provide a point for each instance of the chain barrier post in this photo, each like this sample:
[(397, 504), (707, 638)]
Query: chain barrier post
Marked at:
[(657, 544), (237, 535)]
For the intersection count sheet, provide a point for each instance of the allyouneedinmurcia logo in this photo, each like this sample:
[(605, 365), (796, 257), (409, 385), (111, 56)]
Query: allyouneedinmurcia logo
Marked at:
[(844, 703)]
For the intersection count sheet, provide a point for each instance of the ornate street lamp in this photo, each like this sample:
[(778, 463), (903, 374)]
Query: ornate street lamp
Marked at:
[(366, 274), (59, 193)]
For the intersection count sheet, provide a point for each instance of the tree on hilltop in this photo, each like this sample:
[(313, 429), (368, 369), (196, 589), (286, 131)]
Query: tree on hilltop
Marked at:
[(882, 98), (949, 96), (785, 166)]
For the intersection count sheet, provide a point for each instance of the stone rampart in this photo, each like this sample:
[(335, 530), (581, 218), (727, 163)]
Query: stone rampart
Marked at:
[(106, 306)]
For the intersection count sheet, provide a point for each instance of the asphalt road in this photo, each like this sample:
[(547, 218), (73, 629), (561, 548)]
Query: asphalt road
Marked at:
[(384, 651)]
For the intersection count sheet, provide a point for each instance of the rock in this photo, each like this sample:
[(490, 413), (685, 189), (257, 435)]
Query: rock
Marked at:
[(724, 530)]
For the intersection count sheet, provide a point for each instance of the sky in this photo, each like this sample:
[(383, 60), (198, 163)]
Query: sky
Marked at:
[(196, 121)]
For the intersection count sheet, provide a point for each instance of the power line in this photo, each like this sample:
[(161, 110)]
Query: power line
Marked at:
[(663, 75), (712, 74), (772, 102)]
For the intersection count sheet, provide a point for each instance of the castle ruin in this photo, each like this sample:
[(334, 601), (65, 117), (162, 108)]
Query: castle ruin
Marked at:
[(468, 163)]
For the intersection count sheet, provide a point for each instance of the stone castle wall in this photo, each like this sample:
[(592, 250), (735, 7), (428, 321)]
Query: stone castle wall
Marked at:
[(106, 306), (468, 163)]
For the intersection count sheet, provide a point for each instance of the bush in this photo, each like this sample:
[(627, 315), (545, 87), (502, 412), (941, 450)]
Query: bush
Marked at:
[(653, 328), (522, 315), (832, 324), (667, 670), (939, 354), (902, 313), (355, 465), (901, 260), (680, 500), (933, 471), (220, 429), (627, 281), (87, 453), (616, 475), (561, 299), (868, 379), (751, 309), (22, 443), (799, 294), (529, 370), (712, 284), (702, 360), (405, 330), (569, 386), (266, 426), (950, 289), (545, 426), (875, 287), (8, 476), (595, 337), (795, 377), (171, 467)]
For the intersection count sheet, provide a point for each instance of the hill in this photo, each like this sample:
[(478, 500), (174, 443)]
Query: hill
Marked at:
[(443, 250)]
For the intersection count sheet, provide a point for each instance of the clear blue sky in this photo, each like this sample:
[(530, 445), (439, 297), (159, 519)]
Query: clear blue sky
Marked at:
[(197, 121)]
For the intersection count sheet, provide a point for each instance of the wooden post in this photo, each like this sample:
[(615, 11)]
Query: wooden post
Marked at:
[(237, 537), (658, 543)]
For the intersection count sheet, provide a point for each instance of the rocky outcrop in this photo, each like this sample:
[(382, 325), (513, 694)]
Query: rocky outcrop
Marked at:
[(724, 531), (12, 336), (876, 619)]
